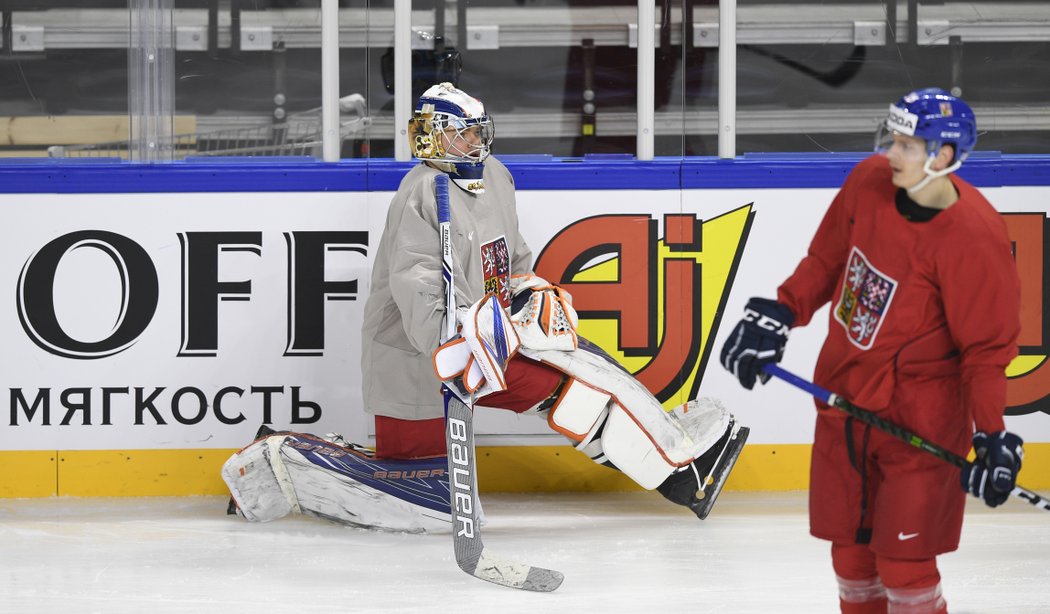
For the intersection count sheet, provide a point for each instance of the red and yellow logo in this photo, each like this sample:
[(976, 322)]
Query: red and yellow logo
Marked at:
[(1028, 387), (652, 302)]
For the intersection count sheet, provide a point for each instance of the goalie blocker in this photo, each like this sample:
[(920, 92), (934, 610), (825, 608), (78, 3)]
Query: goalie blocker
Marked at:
[(685, 454)]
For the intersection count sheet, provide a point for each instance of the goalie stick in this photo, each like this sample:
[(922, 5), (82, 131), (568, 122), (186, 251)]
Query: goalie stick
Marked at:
[(886, 426), (471, 554)]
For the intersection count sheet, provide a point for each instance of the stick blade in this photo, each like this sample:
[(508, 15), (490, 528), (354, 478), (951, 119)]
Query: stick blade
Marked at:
[(497, 570), (471, 554)]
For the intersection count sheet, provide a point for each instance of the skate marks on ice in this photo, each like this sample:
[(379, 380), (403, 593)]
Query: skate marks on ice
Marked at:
[(620, 552)]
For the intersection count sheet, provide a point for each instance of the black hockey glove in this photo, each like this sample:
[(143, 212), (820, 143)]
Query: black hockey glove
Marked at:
[(994, 472), (757, 340)]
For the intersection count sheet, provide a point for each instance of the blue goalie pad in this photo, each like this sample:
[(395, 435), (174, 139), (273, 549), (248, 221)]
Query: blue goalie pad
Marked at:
[(422, 482), (285, 472)]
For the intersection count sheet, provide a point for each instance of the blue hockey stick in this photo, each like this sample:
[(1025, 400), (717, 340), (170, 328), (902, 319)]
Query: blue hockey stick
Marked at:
[(462, 468), (886, 426)]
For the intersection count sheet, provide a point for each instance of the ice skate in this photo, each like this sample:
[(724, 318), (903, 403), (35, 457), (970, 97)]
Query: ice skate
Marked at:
[(698, 485)]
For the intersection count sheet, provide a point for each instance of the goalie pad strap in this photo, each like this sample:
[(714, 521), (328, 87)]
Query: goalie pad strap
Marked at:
[(273, 444), (591, 444)]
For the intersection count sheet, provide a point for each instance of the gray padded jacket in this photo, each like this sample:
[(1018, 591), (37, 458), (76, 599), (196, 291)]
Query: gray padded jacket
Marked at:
[(405, 307)]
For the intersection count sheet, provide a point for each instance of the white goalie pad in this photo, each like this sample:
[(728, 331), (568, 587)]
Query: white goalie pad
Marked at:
[(333, 496), (281, 474), (628, 445), (642, 439), (578, 410), (258, 482)]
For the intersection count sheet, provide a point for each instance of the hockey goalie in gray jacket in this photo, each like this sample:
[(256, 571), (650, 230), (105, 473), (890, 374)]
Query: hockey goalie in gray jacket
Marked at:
[(543, 367)]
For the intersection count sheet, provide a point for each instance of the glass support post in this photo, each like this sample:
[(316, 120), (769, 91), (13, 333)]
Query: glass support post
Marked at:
[(402, 77), (646, 79), (727, 79), (151, 81), (330, 137)]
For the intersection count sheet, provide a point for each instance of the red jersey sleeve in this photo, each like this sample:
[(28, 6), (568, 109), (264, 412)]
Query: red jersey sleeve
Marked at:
[(814, 281), (981, 291)]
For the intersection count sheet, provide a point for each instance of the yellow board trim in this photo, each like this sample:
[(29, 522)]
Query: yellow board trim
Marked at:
[(557, 469), (28, 474), (143, 473)]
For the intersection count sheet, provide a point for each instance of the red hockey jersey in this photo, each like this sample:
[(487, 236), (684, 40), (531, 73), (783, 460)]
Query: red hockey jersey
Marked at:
[(930, 299)]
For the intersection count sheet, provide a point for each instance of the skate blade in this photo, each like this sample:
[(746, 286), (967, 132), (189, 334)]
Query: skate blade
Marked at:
[(702, 507)]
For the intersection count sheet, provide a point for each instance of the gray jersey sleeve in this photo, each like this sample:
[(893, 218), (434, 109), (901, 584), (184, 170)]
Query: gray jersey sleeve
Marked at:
[(415, 267)]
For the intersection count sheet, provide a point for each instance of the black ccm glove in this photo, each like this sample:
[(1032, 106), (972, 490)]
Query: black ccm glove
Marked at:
[(993, 474), (757, 340)]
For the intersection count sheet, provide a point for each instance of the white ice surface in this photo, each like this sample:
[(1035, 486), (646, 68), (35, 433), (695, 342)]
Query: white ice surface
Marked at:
[(630, 552)]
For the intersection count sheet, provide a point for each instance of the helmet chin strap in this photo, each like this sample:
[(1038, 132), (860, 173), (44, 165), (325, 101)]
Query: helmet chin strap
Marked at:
[(932, 174)]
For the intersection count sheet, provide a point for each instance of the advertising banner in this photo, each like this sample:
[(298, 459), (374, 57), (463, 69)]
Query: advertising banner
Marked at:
[(187, 320), (179, 320)]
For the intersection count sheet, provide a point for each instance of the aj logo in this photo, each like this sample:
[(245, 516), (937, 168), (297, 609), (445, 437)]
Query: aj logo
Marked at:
[(1028, 389), (652, 303)]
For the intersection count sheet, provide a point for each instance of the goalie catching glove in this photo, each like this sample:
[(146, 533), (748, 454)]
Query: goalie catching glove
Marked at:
[(543, 319), (543, 314)]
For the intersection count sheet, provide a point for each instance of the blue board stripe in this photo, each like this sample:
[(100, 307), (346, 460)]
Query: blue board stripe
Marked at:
[(984, 169)]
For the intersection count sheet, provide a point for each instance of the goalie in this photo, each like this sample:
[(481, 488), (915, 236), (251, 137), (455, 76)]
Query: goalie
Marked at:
[(518, 350)]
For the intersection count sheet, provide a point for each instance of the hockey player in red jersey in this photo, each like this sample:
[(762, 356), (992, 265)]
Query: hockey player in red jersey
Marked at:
[(924, 319), (518, 350)]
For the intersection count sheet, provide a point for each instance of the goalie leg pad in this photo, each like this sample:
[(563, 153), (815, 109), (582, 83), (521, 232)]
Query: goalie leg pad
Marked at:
[(637, 435), (409, 496), (298, 472), (706, 426), (629, 447), (678, 442), (261, 492), (578, 410)]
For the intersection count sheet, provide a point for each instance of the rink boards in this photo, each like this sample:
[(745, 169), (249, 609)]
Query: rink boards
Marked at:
[(161, 313)]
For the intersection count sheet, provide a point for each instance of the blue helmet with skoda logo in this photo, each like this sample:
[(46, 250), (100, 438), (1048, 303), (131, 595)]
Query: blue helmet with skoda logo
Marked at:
[(935, 116)]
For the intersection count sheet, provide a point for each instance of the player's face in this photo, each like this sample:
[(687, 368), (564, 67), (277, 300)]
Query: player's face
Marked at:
[(465, 142), (907, 155)]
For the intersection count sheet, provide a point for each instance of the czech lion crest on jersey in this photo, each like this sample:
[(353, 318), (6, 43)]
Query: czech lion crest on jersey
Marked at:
[(495, 267), (866, 296)]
